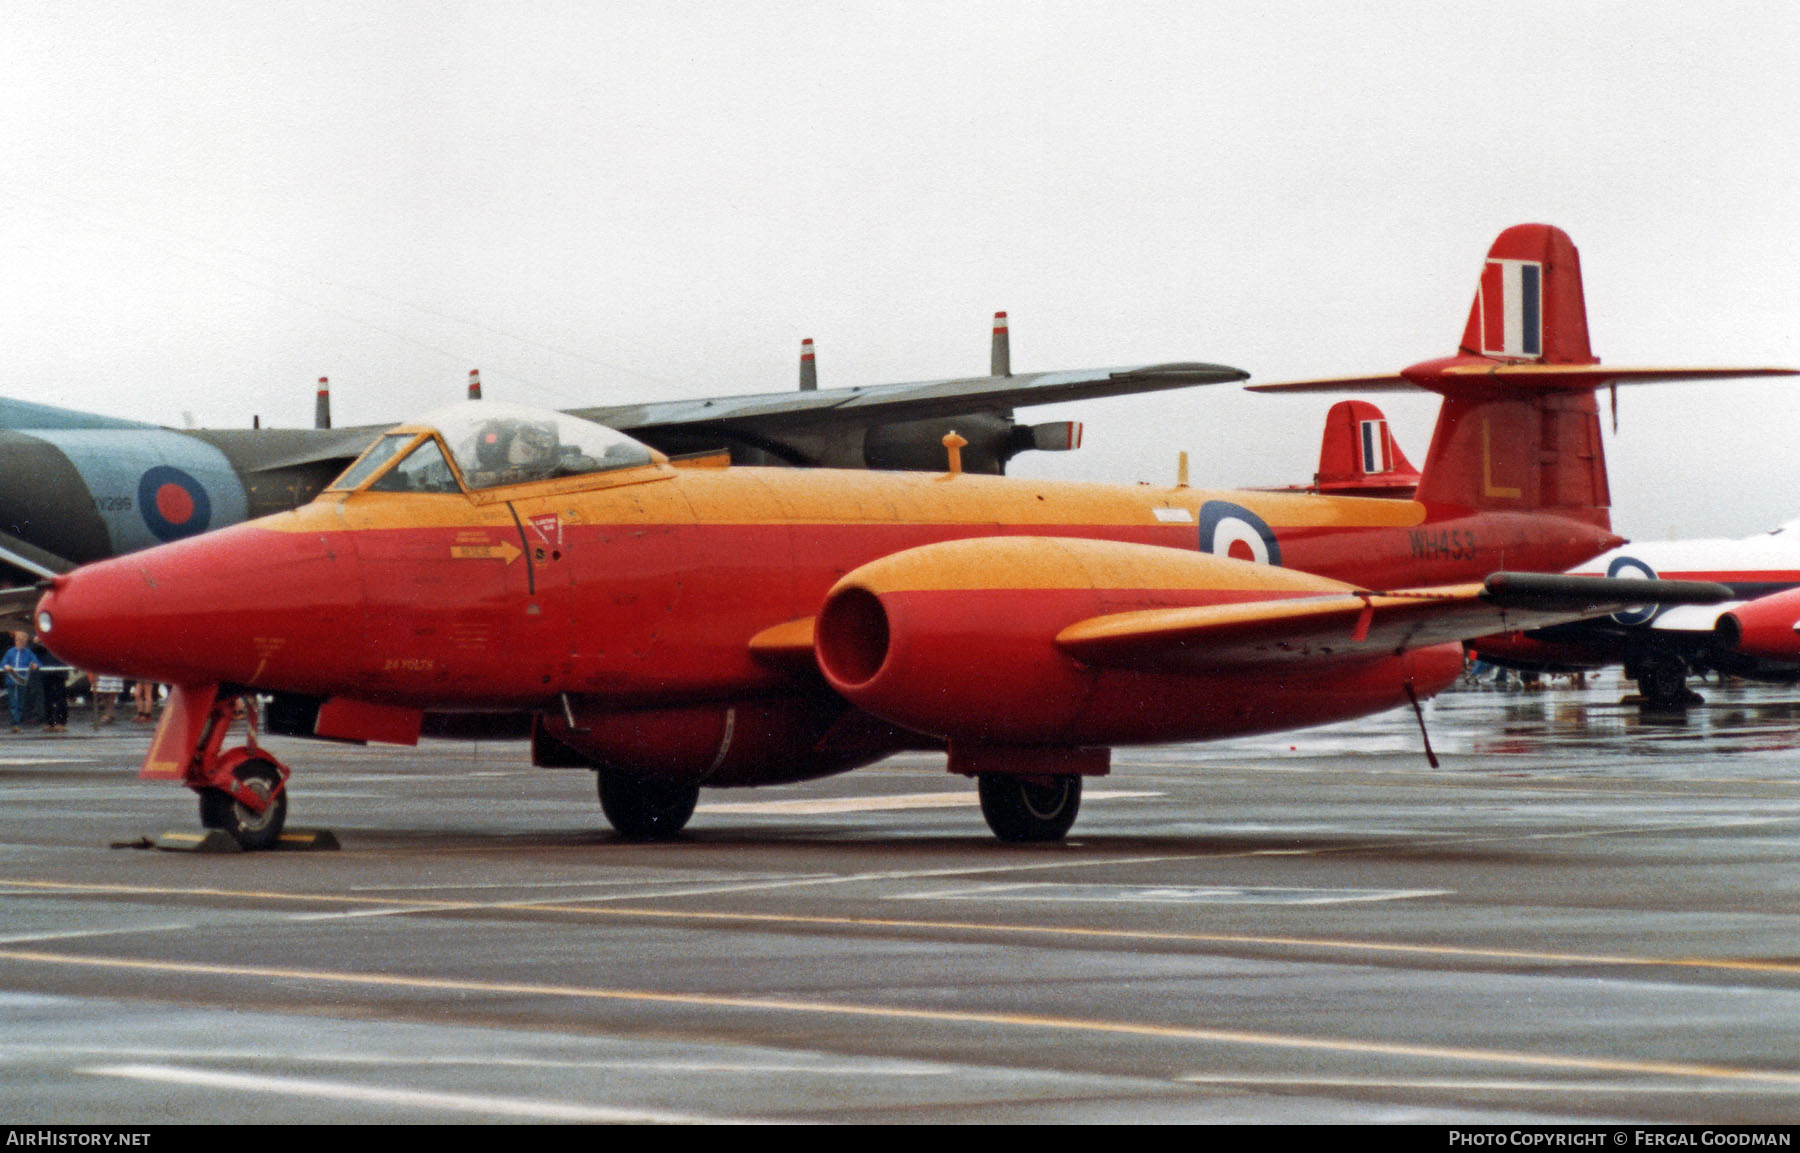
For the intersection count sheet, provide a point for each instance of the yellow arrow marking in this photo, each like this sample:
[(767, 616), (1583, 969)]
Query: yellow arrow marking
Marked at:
[(505, 551)]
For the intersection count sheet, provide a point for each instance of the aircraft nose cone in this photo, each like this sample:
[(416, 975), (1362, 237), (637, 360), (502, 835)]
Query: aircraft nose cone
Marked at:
[(255, 604), (92, 617)]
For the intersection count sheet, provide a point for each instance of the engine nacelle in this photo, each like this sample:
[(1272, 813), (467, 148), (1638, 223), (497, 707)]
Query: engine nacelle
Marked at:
[(1763, 628), (958, 640)]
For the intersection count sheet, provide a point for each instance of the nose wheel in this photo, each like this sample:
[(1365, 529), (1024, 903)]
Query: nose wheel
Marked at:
[(243, 791), (258, 782)]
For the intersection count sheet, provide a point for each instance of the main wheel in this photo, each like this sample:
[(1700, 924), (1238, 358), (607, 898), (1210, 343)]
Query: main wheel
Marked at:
[(1663, 684), (1029, 808), (220, 810), (644, 810)]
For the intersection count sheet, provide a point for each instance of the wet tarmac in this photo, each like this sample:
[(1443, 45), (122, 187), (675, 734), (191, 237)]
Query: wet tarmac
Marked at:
[(1583, 915)]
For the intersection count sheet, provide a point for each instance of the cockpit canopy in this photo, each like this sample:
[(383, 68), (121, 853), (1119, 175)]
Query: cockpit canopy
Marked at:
[(491, 443)]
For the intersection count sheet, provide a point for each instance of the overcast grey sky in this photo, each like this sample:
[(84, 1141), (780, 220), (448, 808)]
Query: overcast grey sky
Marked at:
[(206, 206)]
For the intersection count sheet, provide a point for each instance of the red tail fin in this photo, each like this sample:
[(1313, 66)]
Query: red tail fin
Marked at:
[(1358, 455), (1519, 429), (1528, 306), (1502, 446)]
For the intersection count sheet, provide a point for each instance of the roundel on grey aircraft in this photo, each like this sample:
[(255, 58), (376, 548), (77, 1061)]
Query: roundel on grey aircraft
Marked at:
[(172, 503), (158, 486), (1231, 530), (1630, 566)]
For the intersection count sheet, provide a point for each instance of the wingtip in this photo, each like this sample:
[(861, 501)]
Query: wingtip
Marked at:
[(1192, 372)]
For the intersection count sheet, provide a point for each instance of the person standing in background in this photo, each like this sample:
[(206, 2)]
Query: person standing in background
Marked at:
[(53, 675), (17, 666)]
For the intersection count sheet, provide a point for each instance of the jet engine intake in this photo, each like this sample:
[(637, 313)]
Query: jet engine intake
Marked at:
[(1764, 628)]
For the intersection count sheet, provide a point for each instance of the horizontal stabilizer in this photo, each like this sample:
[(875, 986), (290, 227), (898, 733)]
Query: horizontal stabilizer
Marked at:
[(1376, 623), (1389, 382), (1546, 377)]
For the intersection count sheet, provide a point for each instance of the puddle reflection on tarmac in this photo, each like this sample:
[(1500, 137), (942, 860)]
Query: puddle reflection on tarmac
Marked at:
[(1744, 726)]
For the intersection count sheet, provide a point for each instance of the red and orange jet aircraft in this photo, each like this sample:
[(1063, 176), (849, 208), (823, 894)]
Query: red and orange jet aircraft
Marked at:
[(672, 625)]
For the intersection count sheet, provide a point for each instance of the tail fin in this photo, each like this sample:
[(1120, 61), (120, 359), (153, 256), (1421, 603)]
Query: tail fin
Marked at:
[(1358, 455), (1519, 429), (1528, 306), (1509, 445)]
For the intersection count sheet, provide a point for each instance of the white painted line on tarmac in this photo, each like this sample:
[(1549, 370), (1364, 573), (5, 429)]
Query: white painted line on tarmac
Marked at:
[(1167, 894), (650, 892), (957, 800), (832, 1066), (520, 1107), (67, 934), (466, 886)]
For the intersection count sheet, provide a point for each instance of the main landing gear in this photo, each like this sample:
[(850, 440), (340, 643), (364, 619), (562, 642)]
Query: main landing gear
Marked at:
[(646, 810), (1662, 682), (1025, 809), (243, 790), (1028, 794)]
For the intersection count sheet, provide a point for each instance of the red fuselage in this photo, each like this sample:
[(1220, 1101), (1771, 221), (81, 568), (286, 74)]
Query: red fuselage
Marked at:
[(621, 608)]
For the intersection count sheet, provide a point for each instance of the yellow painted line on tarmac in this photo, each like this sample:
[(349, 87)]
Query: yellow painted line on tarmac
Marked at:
[(1000, 929), (1161, 935), (1452, 1084), (1030, 1021)]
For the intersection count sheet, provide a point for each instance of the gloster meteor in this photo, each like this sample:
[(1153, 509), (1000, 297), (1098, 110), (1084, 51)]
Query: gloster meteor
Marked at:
[(679, 624)]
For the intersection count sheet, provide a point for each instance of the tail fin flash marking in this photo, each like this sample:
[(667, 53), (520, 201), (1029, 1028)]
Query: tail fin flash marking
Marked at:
[(1512, 313), (1358, 456), (1375, 444)]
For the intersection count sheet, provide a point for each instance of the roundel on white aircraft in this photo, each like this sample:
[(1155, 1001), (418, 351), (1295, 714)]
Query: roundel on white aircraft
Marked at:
[(1228, 529), (1631, 567)]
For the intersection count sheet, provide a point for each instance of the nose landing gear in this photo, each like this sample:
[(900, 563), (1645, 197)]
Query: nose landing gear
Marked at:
[(243, 790)]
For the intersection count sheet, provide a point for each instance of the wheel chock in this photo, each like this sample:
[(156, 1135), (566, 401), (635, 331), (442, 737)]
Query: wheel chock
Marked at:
[(308, 841), (219, 841), (204, 841)]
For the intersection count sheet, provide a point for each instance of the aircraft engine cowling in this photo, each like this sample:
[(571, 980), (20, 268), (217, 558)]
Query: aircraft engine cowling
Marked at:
[(958, 640), (1763, 628)]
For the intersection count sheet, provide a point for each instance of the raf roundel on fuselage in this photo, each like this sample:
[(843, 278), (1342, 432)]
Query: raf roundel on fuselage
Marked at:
[(484, 444)]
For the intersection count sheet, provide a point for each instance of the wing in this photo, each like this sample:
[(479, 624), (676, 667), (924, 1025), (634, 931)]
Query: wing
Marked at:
[(1378, 623), (774, 412), (29, 558)]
